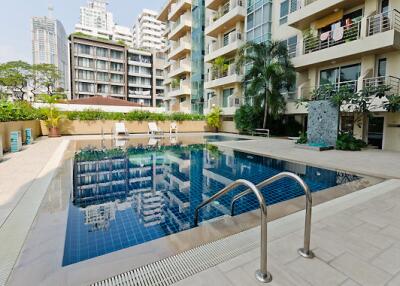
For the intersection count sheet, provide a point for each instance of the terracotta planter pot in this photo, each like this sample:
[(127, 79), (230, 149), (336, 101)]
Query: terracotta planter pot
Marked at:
[(54, 132)]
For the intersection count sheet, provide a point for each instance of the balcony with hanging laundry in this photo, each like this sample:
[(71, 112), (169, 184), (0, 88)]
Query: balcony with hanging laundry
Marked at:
[(348, 38)]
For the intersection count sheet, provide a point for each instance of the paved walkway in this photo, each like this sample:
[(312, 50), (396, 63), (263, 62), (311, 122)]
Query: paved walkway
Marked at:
[(355, 239), (24, 179), (376, 163)]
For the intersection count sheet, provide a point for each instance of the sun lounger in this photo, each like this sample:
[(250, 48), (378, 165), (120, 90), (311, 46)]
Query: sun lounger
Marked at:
[(154, 130), (120, 129)]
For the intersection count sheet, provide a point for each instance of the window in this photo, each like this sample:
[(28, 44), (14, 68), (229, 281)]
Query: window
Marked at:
[(83, 49), (340, 75), (382, 67), (225, 96), (102, 65), (102, 52), (116, 67), (103, 76), (116, 54), (284, 12)]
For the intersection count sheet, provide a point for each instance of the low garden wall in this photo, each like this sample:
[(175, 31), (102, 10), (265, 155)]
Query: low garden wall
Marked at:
[(7, 127), (92, 127)]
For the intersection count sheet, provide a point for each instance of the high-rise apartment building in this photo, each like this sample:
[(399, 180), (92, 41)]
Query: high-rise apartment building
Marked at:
[(111, 69), (96, 21), (148, 32), (50, 46), (178, 65), (336, 42)]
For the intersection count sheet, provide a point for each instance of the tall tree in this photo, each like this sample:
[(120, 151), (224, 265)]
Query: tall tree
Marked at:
[(14, 77), (268, 74), (46, 76)]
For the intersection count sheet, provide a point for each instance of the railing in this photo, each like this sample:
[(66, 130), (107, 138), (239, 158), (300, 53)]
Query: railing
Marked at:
[(390, 81), (225, 9), (383, 22), (181, 42), (182, 85), (305, 251), (329, 39), (179, 64), (325, 91), (234, 100), (213, 75), (262, 274), (232, 38), (181, 19)]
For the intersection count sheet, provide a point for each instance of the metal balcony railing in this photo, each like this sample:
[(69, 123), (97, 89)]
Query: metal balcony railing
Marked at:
[(389, 81), (225, 9), (215, 74), (332, 38), (232, 38), (383, 22)]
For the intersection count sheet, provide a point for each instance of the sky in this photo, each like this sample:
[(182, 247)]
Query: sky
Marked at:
[(15, 17)]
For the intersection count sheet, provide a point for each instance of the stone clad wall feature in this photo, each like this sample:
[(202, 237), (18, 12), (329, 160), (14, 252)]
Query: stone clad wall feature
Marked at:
[(323, 123)]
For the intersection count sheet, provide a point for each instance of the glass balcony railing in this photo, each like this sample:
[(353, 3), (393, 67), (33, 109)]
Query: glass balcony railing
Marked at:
[(225, 9), (232, 38)]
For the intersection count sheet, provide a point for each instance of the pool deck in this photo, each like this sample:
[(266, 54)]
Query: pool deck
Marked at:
[(355, 237), (377, 163)]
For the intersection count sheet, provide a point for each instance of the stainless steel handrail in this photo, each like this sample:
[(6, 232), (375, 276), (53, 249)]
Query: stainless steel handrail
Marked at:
[(305, 251), (262, 274)]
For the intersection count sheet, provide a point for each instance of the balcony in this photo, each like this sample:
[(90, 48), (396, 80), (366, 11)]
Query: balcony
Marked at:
[(180, 48), (180, 88), (217, 79), (374, 34), (388, 81), (181, 27), (234, 101), (180, 67), (140, 94), (226, 19), (304, 12), (178, 9), (225, 48), (214, 4)]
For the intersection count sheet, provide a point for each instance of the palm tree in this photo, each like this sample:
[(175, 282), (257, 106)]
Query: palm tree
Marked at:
[(269, 72)]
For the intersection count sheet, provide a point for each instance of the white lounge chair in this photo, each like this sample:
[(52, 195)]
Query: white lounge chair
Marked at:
[(173, 128), (119, 129), (152, 142), (154, 130)]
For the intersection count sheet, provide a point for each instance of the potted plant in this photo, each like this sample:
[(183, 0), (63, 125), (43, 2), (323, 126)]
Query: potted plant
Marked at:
[(220, 67), (214, 118), (52, 114)]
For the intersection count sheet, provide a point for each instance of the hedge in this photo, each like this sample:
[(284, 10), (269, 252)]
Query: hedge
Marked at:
[(21, 111)]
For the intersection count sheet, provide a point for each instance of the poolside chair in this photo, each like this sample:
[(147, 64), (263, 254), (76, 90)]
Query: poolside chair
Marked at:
[(173, 128), (152, 142), (119, 129), (154, 130)]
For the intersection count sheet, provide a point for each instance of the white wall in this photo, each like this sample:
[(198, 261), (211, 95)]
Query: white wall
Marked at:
[(106, 108)]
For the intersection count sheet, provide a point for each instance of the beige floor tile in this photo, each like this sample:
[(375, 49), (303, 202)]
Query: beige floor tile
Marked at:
[(209, 277), (389, 260), (371, 234), (350, 282), (360, 271), (316, 272)]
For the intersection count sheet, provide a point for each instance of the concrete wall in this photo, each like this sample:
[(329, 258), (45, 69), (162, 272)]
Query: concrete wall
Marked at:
[(77, 127), (229, 127), (105, 108), (7, 127), (391, 135)]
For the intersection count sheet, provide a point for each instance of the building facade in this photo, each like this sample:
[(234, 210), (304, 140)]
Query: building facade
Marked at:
[(148, 32), (111, 69), (341, 43), (178, 64), (96, 21), (50, 46)]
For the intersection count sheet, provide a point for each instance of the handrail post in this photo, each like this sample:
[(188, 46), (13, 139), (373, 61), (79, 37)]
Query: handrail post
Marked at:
[(305, 251), (262, 274)]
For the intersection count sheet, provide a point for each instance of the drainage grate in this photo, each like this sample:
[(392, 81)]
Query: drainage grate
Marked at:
[(178, 267)]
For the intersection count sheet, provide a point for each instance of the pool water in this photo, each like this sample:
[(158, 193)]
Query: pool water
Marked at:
[(125, 197)]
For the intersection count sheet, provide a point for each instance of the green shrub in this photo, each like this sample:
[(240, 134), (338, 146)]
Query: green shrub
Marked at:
[(347, 142), (302, 139), (214, 118), (18, 111), (22, 110), (248, 118)]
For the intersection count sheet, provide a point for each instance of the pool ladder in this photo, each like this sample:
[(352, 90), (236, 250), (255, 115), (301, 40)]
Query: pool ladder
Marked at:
[(262, 274)]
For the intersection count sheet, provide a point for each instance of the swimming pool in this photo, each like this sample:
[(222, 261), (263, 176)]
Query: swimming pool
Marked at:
[(125, 197)]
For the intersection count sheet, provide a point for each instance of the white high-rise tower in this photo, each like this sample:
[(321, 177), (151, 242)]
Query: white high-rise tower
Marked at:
[(148, 32), (50, 45)]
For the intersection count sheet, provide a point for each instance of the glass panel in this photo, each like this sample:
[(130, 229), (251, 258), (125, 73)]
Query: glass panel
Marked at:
[(329, 76), (350, 73), (382, 67)]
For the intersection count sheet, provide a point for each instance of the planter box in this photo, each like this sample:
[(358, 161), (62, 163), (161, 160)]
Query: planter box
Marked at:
[(95, 127)]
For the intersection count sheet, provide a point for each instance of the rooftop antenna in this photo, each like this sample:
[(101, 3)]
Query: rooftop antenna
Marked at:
[(51, 10)]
